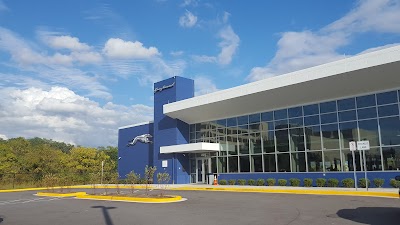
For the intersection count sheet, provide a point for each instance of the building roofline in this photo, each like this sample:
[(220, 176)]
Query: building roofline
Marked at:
[(135, 125)]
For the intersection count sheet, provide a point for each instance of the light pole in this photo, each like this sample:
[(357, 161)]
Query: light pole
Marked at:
[(102, 171)]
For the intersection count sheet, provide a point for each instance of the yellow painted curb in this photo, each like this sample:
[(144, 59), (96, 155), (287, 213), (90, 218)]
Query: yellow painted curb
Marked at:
[(130, 199), (61, 195), (288, 191), (75, 187)]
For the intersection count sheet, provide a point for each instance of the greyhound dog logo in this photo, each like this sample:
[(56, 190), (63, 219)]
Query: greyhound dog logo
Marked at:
[(144, 138)]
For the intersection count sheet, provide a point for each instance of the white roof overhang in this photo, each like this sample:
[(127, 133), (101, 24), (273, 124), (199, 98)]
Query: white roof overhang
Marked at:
[(200, 147), (364, 73)]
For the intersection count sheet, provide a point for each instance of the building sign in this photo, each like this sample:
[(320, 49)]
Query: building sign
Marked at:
[(144, 138), (159, 89)]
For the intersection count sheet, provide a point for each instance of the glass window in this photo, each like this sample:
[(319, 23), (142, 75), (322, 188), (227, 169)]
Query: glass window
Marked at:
[(311, 120), (348, 132), (346, 104), (222, 122), (231, 145), (369, 131), (269, 163), (192, 128), (298, 162), (244, 164), (198, 127), (296, 122), (192, 136), (374, 161), (297, 139), (253, 128), (267, 116), (282, 140), (328, 118), (255, 143), (348, 160), (233, 164), (243, 129), (280, 114), (192, 166), (387, 97), (311, 109), (295, 112), (281, 124), (330, 136), (265, 126), (347, 115), (313, 138), (390, 130), (231, 122), (327, 107), (255, 118), (332, 161), (283, 162), (256, 163), (366, 113), (214, 164), (268, 141), (241, 120), (243, 144), (314, 161), (388, 110), (391, 158), (366, 101), (222, 168), (222, 146)]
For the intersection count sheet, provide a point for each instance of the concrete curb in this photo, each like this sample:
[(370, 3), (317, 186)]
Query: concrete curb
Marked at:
[(176, 198), (61, 195)]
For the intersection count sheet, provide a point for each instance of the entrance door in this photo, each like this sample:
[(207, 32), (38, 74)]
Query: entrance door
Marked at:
[(202, 169)]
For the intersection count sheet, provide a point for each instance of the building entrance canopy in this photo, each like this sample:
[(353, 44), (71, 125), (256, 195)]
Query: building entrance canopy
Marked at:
[(200, 147)]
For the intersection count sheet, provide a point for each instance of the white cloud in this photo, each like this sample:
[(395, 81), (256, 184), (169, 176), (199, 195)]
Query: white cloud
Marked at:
[(299, 50), (177, 53), (66, 42), (187, 20), (4, 137), (204, 58), (60, 114), (186, 3), (119, 49), (204, 85)]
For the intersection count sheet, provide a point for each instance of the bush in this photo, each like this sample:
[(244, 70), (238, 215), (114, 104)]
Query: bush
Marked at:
[(348, 183), (294, 182), (232, 182), (394, 183), (260, 182), (362, 183), (251, 182), (223, 182), (241, 181), (379, 182), (321, 182), (332, 182), (271, 182), (282, 182), (307, 182)]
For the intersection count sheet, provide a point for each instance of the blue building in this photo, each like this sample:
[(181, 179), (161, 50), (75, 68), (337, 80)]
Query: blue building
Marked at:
[(296, 125)]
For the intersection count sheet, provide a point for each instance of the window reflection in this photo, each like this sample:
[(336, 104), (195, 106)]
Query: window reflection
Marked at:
[(233, 164), (374, 161), (348, 132), (256, 163), (296, 139), (313, 138), (269, 163), (298, 162), (391, 158), (244, 163), (390, 130), (314, 161), (332, 161), (282, 140), (330, 136), (283, 162)]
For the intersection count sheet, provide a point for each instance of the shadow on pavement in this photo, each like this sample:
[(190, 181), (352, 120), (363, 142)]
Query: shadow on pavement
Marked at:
[(1, 219), (106, 215), (372, 215)]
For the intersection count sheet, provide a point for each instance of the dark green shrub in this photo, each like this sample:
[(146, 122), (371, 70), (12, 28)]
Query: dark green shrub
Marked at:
[(294, 182), (241, 181), (363, 184), (251, 182), (348, 183), (307, 182), (332, 182), (379, 182), (260, 182), (320, 182), (223, 182), (232, 182), (271, 182), (282, 182), (394, 183)]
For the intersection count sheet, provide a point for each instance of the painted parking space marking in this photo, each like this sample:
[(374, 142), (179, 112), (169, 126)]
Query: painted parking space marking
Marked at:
[(23, 201)]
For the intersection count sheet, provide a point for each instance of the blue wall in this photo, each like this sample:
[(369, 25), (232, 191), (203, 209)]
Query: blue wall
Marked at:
[(168, 131), (134, 157), (338, 175)]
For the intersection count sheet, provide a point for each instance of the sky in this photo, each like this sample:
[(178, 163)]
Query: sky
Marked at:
[(75, 71)]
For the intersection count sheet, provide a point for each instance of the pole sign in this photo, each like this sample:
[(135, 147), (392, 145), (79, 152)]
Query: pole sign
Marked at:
[(352, 145), (362, 145)]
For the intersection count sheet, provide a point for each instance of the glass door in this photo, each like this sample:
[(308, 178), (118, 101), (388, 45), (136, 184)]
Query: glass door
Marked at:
[(202, 169)]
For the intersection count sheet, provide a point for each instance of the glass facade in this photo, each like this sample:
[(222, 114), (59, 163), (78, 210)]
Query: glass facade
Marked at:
[(308, 138)]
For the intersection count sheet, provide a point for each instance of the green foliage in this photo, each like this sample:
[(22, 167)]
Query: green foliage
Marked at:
[(294, 182), (260, 182), (332, 182), (251, 182), (348, 183), (379, 182), (282, 182), (271, 182), (163, 179), (223, 182), (149, 173), (394, 183), (308, 182), (362, 183), (320, 182), (232, 182), (241, 182)]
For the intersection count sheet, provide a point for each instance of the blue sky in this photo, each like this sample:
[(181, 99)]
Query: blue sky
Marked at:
[(75, 71)]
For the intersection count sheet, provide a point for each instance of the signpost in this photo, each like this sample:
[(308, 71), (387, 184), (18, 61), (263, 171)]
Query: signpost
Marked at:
[(353, 147), (364, 146)]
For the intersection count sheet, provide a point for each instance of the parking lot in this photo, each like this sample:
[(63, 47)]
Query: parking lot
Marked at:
[(201, 207)]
